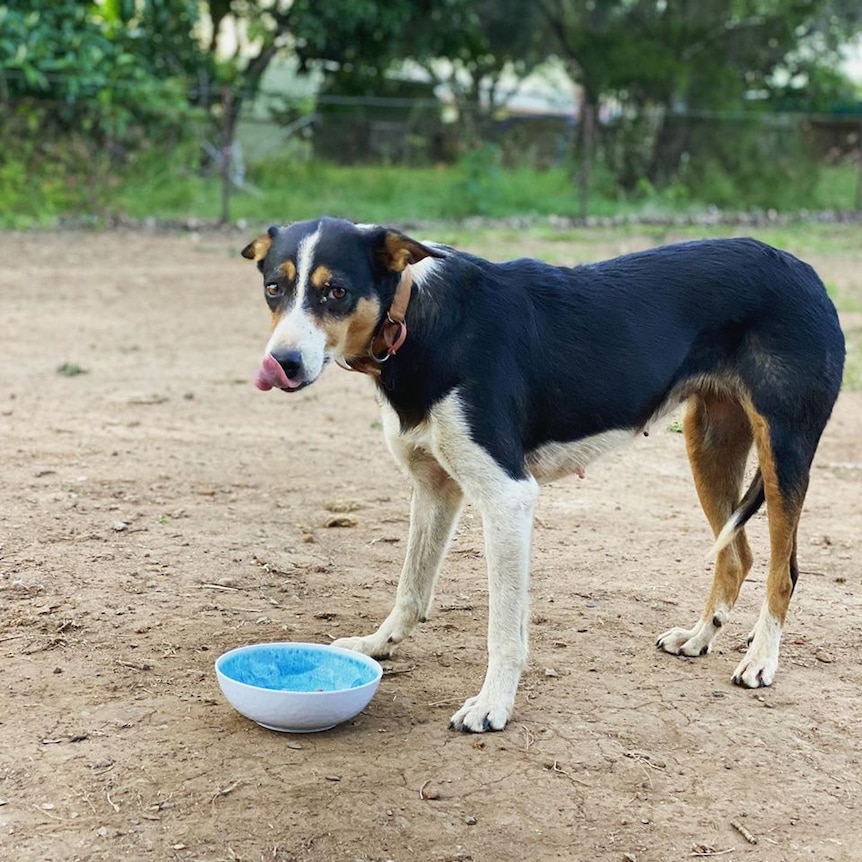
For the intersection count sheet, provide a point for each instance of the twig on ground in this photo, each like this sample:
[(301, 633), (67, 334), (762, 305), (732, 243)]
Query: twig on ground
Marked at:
[(743, 832), (391, 671), (706, 852), (555, 767), (111, 801), (223, 791)]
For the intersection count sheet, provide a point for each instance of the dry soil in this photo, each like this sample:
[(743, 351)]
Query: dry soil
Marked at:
[(158, 510)]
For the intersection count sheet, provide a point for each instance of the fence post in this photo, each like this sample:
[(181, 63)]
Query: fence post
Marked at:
[(226, 152), (859, 168), (588, 118)]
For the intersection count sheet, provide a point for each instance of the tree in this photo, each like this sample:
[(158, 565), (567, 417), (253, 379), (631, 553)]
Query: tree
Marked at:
[(654, 57), (107, 68), (471, 48), (694, 53), (467, 46)]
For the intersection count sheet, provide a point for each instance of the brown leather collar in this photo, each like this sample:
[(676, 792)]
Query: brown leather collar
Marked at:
[(391, 333)]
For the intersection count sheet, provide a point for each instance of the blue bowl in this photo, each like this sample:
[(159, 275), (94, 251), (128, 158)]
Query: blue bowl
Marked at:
[(297, 687)]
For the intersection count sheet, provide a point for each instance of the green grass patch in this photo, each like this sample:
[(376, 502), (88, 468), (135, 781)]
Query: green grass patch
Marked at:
[(70, 369), (288, 188)]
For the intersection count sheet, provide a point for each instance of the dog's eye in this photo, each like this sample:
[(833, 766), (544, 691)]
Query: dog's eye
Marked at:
[(272, 290), (336, 292)]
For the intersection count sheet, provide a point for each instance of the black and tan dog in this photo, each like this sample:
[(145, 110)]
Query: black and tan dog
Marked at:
[(496, 377)]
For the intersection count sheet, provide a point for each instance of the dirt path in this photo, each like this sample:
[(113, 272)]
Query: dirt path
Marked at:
[(157, 510)]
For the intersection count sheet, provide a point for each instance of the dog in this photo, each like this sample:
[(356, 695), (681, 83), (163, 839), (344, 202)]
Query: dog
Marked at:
[(497, 377)]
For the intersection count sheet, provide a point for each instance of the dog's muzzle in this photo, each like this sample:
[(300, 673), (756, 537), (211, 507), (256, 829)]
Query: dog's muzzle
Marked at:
[(282, 371)]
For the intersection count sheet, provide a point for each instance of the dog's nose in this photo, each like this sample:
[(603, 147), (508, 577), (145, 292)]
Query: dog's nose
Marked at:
[(290, 361)]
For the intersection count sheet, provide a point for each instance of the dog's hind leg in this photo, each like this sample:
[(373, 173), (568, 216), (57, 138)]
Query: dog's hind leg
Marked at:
[(434, 509), (718, 438), (785, 457)]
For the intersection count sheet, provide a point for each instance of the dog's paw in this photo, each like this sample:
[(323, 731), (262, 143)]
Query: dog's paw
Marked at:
[(757, 669), (369, 645), (690, 642), (479, 714)]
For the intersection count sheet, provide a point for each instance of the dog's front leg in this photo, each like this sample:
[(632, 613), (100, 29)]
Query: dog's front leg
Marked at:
[(507, 517), (434, 510)]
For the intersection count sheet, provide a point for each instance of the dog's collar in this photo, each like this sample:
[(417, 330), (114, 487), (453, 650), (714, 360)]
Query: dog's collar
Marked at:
[(391, 333)]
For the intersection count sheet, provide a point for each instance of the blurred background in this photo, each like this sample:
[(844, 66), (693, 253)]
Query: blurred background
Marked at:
[(203, 111)]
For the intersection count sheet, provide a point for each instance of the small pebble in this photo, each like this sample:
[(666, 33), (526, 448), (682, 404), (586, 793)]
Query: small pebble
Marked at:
[(471, 820), (825, 657)]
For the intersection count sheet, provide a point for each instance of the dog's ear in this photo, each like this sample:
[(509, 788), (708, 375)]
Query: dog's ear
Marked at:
[(394, 250), (256, 250)]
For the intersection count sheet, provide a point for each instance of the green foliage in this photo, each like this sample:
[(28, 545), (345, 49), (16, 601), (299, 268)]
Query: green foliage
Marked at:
[(84, 87), (743, 164), (698, 55), (104, 75), (701, 53), (478, 188)]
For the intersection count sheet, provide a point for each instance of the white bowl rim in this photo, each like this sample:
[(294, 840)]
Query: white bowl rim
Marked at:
[(367, 660)]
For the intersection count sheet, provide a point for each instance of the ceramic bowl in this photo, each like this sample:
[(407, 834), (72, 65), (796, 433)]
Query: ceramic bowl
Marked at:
[(297, 687)]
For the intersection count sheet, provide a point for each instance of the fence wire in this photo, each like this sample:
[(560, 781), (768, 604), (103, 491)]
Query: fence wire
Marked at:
[(83, 139)]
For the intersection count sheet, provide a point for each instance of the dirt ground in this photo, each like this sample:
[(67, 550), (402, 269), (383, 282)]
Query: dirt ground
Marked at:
[(158, 510)]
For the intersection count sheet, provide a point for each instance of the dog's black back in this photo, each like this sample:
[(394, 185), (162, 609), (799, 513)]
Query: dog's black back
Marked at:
[(546, 354)]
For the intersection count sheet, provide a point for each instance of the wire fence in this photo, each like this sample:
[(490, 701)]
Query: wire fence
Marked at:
[(224, 137)]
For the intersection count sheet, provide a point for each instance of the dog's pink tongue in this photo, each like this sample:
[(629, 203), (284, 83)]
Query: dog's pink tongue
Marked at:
[(271, 374)]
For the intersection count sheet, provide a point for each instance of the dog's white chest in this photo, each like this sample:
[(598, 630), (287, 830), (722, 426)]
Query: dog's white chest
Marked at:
[(546, 463)]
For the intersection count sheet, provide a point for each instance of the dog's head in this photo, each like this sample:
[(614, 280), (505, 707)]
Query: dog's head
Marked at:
[(328, 284)]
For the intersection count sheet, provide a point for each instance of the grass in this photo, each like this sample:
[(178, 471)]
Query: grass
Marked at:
[(290, 190), (853, 365), (286, 187)]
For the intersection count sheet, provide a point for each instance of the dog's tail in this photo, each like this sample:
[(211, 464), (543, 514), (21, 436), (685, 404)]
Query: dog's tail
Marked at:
[(748, 505)]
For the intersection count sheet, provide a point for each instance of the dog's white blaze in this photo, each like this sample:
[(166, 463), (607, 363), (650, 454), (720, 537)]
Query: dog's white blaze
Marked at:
[(297, 329), (304, 261), (555, 460)]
